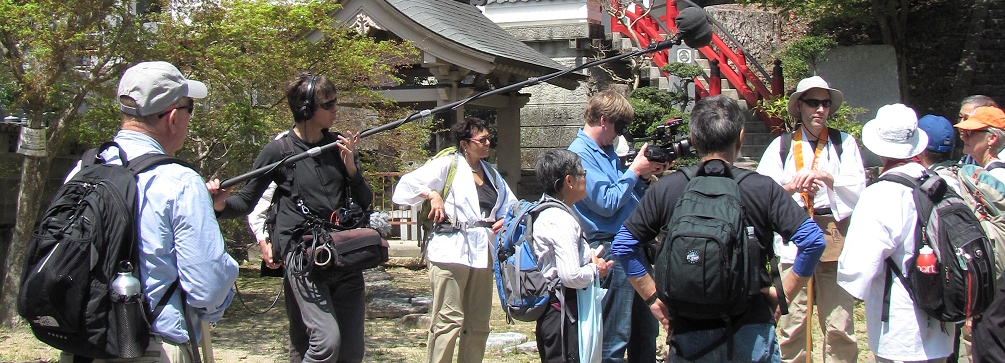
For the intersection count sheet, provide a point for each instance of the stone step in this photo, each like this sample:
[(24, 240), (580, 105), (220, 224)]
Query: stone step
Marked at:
[(757, 138), (505, 339), (755, 127)]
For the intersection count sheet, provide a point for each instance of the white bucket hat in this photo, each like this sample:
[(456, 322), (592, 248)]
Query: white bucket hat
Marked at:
[(810, 83), (894, 133)]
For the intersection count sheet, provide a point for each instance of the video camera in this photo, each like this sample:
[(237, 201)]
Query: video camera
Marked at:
[(664, 148)]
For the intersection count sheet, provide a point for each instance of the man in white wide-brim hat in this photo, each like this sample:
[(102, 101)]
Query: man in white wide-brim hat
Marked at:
[(823, 171), (882, 227)]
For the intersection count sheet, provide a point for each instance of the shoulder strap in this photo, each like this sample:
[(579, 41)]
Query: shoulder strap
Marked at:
[(690, 172), (997, 164), (785, 145), (740, 173), (450, 176), (901, 178), (834, 135), (286, 145), (147, 161), (93, 156), (892, 270)]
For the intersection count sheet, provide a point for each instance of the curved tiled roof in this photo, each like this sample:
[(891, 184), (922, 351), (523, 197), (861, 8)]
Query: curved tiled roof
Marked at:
[(466, 25)]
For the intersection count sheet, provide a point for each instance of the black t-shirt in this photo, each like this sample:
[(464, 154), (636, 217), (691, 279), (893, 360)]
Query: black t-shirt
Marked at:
[(320, 181), (769, 209), (487, 196)]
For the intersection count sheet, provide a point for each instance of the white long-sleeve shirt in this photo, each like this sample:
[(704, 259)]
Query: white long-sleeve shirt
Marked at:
[(883, 226), (561, 250), (471, 247), (848, 172)]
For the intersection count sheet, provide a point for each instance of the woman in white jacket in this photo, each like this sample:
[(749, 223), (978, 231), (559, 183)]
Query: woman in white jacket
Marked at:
[(461, 246), (562, 253)]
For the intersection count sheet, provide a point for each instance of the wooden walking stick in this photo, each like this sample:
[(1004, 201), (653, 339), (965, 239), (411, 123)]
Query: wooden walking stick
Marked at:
[(809, 320), (207, 343)]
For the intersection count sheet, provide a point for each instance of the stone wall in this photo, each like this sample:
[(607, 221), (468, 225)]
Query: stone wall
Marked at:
[(760, 32)]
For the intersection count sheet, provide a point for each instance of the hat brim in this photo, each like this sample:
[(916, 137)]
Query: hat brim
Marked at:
[(837, 99), (914, 145), (969, 124), (196, 89)]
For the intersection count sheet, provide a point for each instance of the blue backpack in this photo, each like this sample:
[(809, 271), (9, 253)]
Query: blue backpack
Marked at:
[(523, 289)]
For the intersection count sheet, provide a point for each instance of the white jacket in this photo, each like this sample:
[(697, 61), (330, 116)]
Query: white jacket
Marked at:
[(474, 246)]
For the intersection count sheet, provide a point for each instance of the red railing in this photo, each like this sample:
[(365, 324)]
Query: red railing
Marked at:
[(724, 61)]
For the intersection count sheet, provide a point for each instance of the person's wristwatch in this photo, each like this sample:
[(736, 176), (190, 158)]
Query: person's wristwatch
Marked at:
[(651, 300)]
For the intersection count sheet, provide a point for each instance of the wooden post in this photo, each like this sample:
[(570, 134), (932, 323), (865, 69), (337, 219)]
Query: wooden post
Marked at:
[(207, 343), (809, 320)]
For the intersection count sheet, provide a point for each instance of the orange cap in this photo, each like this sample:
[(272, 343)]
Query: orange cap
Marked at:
[(982, 117)]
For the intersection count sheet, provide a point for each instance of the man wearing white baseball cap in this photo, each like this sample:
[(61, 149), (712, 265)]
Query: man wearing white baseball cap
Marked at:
[(822, 169), (882, 227), (180, 239)]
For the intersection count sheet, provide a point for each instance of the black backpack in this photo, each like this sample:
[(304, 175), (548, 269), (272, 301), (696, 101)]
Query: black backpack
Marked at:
[(89, 228), (965, 283), (708, 262)]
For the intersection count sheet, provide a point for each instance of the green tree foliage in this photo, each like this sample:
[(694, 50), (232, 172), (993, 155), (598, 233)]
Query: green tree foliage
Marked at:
[(66, 56), (802, 56)]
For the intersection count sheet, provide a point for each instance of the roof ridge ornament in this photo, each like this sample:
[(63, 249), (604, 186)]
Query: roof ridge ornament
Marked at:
[(364, 24)]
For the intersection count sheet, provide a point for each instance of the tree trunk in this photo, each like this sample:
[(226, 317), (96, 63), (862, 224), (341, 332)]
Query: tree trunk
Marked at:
[(33, 174)]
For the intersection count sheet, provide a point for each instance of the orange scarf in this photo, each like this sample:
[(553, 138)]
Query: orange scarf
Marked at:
[(797, 146)]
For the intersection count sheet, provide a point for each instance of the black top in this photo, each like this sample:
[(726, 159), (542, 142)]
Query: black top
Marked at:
[(487, 196), (769, 209), (320, 181)]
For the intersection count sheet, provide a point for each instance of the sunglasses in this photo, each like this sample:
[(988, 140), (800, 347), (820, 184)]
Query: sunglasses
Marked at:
[(968, 133), (481, 140), (816, 103), (328, 105), (190, 108)]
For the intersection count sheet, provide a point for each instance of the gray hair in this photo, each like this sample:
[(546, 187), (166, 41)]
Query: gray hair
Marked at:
[(553, 165), (1000, 139), (978, 101), (716, 123)]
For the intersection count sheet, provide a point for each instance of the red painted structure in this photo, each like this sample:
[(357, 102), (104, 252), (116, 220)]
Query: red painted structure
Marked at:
[(726, 62)]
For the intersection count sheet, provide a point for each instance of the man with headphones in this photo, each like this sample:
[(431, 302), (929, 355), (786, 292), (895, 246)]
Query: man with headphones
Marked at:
[(325, 308)]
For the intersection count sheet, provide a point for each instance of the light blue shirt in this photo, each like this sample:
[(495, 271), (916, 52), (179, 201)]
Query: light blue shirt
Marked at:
[(612, 191), (179, 239)]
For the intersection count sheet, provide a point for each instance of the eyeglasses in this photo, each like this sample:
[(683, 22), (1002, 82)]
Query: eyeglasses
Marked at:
[(967, 133), (328, 105), (481, 140), (190, 108), (816, 103)]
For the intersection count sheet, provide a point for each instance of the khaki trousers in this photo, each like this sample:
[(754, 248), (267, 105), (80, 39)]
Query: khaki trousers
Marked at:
[(836, 319), (159, 351), (462, 305)]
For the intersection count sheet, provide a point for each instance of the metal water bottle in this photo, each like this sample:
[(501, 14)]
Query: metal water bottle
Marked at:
[(127, 299)]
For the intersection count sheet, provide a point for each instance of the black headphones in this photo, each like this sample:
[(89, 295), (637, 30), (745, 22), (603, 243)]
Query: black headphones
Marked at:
[(306, 109)]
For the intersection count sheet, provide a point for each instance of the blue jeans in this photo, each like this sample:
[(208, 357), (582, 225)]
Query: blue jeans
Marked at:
[(751, 343), (629, 326)]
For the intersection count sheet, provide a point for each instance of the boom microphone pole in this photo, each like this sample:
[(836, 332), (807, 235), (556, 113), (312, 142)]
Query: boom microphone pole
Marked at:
[(693, 30)]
